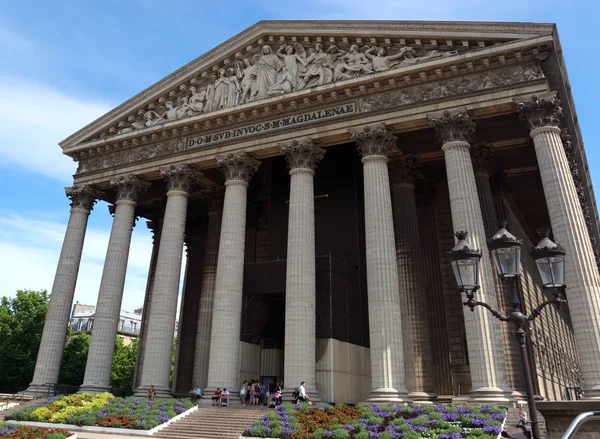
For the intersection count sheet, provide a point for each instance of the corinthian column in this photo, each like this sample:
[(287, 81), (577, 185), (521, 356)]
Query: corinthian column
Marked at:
[(161, 319), (300, 285), (108, 307), (488, 371), (49, 356), (568, 226), (385, 320), (209, 276), (223, 364), (415, 327)]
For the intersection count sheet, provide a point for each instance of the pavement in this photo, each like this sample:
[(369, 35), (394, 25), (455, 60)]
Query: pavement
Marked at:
[(86, 435)]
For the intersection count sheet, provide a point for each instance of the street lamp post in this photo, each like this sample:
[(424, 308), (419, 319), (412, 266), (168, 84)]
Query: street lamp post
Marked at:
[(506, 253)]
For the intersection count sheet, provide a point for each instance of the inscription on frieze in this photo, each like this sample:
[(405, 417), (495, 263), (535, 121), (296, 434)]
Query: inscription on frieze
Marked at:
[(272, 125), (390, 99)]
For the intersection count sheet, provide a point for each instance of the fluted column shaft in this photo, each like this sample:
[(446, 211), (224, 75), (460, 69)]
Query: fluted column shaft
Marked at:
[(161, 321), (139, 363), (385, 319), (106, 318), (108, 307), (488, 372), (223, 365), (50, 352), (569, 229), (300, 285), (417, 354), (486, 359), (205, 311)]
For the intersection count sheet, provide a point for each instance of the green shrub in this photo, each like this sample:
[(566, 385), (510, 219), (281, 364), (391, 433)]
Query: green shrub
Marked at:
[(363, 434), (386, 435), (340, 433), (374, 420)]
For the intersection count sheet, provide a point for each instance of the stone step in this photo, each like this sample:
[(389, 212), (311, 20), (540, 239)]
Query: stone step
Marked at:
[(213, 423)]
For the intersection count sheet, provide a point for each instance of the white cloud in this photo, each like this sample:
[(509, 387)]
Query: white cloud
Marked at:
[(29, 251), (33, 119)]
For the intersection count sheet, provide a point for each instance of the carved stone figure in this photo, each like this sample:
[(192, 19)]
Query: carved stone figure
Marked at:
[(293, 57), (221, 91), (284, 85), (247, 73), (267, 68), (352, 64), (315, 74), (234, 88), (197, 101), (381, 62)]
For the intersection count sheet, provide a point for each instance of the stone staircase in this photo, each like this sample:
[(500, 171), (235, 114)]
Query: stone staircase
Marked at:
[(7, 409), (213, 423)]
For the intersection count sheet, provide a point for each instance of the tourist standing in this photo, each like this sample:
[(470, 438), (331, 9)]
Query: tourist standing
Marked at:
[(244, 392), (303, 395), (151, 393)]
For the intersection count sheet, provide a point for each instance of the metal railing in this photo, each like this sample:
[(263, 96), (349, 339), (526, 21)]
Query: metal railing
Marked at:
[(578, 422)]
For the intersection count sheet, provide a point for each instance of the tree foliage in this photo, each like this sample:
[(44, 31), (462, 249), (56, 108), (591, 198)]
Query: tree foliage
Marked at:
[(123, 364), (21, 324), (74, 359)]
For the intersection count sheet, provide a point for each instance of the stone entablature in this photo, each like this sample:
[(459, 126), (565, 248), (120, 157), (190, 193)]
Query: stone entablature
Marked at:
[(127, 152)]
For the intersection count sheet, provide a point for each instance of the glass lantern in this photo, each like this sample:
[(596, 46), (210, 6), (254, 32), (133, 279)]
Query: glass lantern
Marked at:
[(506, 252), (550, 260), (465, 262)]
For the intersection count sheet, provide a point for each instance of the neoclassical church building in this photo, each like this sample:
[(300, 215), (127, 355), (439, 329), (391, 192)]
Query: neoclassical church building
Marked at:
[(315, 172)]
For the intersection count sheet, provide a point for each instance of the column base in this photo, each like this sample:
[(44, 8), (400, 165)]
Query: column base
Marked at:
[(423, 398), (41, 390), (93, 389), (388, 396), (161, 392), (490, 395)]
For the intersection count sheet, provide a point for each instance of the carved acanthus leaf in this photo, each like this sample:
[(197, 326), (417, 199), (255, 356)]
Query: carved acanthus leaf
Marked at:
[(541, 111), (238, 166), (180, 177), (373, 140), (82, 196), (129, 187), (405, 169), (457, 127), (304, 154)]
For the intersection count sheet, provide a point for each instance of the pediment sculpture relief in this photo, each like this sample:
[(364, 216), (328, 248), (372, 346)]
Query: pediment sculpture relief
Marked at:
[(269, 73)]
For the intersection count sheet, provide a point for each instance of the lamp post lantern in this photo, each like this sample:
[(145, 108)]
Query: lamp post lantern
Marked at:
[(506, 253)]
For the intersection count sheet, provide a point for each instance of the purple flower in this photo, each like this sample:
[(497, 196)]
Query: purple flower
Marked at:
[(161, 419), (450, 436), (287, 431), (463, 409), (7, 431), (498, 416), (478, 422), (486, 409), (419, 428), (449, 417), (439, 408), (374, 434), (492, 430)]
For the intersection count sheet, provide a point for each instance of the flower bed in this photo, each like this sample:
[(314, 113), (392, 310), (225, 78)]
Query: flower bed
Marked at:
[(383, 422), (24, 432), (103, 410)]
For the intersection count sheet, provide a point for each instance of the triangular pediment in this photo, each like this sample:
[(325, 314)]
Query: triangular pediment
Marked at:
[(272, 60)]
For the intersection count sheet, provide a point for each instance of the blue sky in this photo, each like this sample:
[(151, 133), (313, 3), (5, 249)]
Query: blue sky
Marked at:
[(64, 63)]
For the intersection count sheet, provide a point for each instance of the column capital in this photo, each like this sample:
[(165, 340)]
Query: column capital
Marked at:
[(238, 166), (129, 187), (373, 140), (82, 196), (405, 169), (541, 111), (303, 154), (180, 177), (481, 156), (453, 127)]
